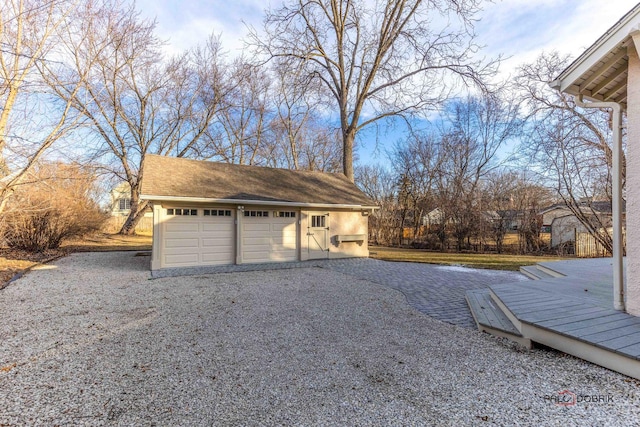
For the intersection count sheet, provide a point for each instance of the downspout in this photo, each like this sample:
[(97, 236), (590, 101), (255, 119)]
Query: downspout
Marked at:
[(618, 278)]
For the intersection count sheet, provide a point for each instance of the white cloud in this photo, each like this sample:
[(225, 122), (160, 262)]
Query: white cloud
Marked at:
[(187, 23), (522, 29)]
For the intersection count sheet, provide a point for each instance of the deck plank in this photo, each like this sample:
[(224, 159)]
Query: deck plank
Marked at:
[(488, 314), (559, 314), (534, 308), (580, 321), (631, 350), (600, 337), (592, 326), (622, 341)]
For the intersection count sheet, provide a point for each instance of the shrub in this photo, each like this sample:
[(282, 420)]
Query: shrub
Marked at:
[(57, 204)]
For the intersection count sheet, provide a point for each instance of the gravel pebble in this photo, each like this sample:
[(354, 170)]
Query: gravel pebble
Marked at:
[(90, 340)]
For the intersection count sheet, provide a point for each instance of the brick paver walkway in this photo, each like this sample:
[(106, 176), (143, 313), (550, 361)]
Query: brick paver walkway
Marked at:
[(437, 291)]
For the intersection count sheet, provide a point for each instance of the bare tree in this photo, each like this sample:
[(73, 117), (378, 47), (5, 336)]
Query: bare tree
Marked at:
[(479, 128), (567, 145), (30, 122), (419, 159), (389, 58), (134, 101), (378, 183), (301, 138), (244, 119)]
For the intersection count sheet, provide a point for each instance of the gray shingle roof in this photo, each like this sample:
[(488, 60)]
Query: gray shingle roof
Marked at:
[(167, 177)]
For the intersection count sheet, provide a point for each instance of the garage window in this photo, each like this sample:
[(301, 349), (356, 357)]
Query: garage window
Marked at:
[(283, 214), (257, 213), (180, 211), (318, 221), (217, 212)]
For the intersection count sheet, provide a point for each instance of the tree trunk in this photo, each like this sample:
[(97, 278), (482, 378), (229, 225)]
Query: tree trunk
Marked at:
[(348, 138), (129, 226), (137, 209)]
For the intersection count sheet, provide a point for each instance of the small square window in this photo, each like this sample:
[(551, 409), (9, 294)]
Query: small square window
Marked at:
[(169, 211), (124, 204), (318, 221), (194, 212)]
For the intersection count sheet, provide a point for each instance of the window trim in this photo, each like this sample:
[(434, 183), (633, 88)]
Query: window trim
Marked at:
[(126, 202), (256, 214), (181, 212), (211, 212)]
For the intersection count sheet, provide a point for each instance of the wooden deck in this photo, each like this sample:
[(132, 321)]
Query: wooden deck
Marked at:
[(572, 313)]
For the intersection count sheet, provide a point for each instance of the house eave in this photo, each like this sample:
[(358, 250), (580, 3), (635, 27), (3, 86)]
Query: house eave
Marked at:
[(599, 74), (182, 199)]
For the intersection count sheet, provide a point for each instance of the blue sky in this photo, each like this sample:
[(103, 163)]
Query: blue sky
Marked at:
[(517, 29)]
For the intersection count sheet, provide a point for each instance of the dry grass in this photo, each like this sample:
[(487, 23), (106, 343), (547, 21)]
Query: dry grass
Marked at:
[(104, 242), (489, 261), (14, 261)]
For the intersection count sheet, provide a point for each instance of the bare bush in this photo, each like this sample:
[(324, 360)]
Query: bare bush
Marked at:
[(56, 204)]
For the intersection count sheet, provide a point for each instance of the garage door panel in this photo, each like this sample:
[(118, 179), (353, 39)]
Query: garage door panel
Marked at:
[(283, 256), (257, 256), (253, 241), (283, 248), (284, 228), (253, 227), (284, 240), (221, 242), (180, 227), (257, 248), (218, 251), (181, 243), (218, 237), (181, 259), (218, 227), (215, 259)]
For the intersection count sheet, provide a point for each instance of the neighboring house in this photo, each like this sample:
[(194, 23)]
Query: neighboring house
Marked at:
[(207, 213), (433, 218), (121, 200), (510, 219), (563, 225)]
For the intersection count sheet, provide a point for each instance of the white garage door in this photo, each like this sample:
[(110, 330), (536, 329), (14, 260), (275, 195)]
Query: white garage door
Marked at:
[(269, 236), (197, 237)]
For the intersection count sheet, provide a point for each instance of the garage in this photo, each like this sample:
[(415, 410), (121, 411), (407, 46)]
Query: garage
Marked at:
[(197, 237), (212, 214), (269, 236)]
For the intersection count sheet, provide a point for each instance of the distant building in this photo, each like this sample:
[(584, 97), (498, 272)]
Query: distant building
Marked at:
[(121, 201), (563, 224)]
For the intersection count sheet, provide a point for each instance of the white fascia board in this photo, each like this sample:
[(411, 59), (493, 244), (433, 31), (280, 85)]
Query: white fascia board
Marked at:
[(594, 54), (252, 202)]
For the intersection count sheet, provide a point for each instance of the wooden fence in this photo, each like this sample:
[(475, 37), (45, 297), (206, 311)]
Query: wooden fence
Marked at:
[(588, 247), (114, 224)]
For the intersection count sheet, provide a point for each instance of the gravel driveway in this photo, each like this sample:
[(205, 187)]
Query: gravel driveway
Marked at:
[(93, 341)]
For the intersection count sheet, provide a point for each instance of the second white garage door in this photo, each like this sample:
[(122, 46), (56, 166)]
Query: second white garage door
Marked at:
[(269, 236)]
